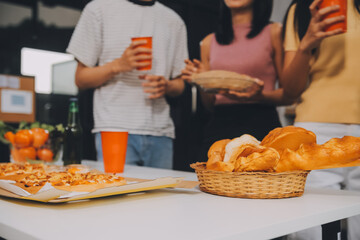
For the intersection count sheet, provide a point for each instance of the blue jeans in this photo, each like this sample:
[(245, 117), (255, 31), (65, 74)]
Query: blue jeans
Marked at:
[(144, 150)]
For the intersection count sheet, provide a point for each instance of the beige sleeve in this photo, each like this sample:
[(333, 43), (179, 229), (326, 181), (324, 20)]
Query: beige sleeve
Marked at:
[(291, 41)]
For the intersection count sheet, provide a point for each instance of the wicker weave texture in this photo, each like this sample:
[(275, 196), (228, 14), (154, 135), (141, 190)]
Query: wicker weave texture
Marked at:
[(251, 184)]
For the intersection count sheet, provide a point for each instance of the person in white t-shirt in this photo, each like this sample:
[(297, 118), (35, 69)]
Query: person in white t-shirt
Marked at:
[(126, 99)]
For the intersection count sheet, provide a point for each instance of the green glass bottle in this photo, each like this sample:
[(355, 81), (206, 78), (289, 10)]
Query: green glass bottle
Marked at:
[(72, 151)]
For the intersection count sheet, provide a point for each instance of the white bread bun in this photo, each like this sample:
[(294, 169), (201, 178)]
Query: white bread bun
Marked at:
[(221, 154), (232, 146)]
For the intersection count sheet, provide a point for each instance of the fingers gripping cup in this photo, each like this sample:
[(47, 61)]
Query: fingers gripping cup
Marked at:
[(114, 146), (148, 44), (341, 12)]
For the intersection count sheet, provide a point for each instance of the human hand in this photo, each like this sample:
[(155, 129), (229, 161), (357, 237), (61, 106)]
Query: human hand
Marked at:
[(191, 68), (316, 30), (254, 94), (155, 86), (132, 56)]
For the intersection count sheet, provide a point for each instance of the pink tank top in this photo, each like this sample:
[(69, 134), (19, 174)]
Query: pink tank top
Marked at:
[(253, 57)]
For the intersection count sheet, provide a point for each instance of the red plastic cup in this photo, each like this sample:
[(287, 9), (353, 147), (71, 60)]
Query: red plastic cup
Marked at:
[(114, 146), (342, 11), (148, 44)]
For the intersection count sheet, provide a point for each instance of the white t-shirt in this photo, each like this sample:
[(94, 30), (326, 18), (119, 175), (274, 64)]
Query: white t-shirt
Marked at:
[(102, 34)]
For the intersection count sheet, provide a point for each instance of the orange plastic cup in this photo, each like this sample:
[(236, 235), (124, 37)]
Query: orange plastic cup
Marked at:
[(114, 146), (148, 44), (342, 11)]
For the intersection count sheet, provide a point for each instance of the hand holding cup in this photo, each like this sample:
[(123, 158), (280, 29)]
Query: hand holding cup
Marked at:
[(135, 57), (342, 11), (144, 43), (319, 26)]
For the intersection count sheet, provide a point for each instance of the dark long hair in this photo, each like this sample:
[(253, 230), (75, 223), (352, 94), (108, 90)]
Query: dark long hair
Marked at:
[(261, 17), (302, 15)]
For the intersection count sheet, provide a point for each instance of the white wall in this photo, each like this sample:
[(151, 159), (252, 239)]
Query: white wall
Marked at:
[(11, 14), (279, 10)]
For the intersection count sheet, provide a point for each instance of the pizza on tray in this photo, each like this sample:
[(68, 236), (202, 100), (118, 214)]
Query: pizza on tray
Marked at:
[(32, 177)]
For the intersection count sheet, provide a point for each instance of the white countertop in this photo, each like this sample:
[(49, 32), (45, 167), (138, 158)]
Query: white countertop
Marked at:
[(173, 214)]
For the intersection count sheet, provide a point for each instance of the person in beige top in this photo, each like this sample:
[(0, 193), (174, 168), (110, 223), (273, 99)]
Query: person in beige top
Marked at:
[(322, 70)]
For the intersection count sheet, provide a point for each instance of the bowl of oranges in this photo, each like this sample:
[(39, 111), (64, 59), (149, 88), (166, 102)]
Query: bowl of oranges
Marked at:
[(33, 142)]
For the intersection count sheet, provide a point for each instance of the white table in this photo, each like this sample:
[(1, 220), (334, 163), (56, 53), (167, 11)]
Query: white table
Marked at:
[(173, 214)]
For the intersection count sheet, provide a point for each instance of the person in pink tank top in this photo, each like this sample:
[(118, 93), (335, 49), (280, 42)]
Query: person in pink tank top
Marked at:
[(247, 43)]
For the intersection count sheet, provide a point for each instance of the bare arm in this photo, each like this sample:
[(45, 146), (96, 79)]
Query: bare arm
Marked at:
[(296, 63), (207, 99), (175, 87), (296, 72), (277, 44), (158, 86), (197, 66), (93, 77), (277, 96)]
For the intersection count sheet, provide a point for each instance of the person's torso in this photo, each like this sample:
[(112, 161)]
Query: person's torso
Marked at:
[(250, 56), (334, 92), (121, 103)]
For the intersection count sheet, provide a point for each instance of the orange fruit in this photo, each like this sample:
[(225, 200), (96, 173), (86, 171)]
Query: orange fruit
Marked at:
[(10, 136), (23, 138), (40, 137), (45, 154), (27, 153)]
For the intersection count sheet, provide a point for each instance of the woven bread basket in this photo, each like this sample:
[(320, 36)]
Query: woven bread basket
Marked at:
[(259, 185)]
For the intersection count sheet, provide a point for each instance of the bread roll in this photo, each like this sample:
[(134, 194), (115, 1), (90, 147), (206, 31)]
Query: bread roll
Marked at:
[(218, 147), (233, 146), (241, 154), (251, 158), (221, 154), (289, 137), (216, 156), (337, 152)]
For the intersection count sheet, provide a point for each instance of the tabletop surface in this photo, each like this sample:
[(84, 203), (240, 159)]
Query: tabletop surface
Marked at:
[(173, 214)]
